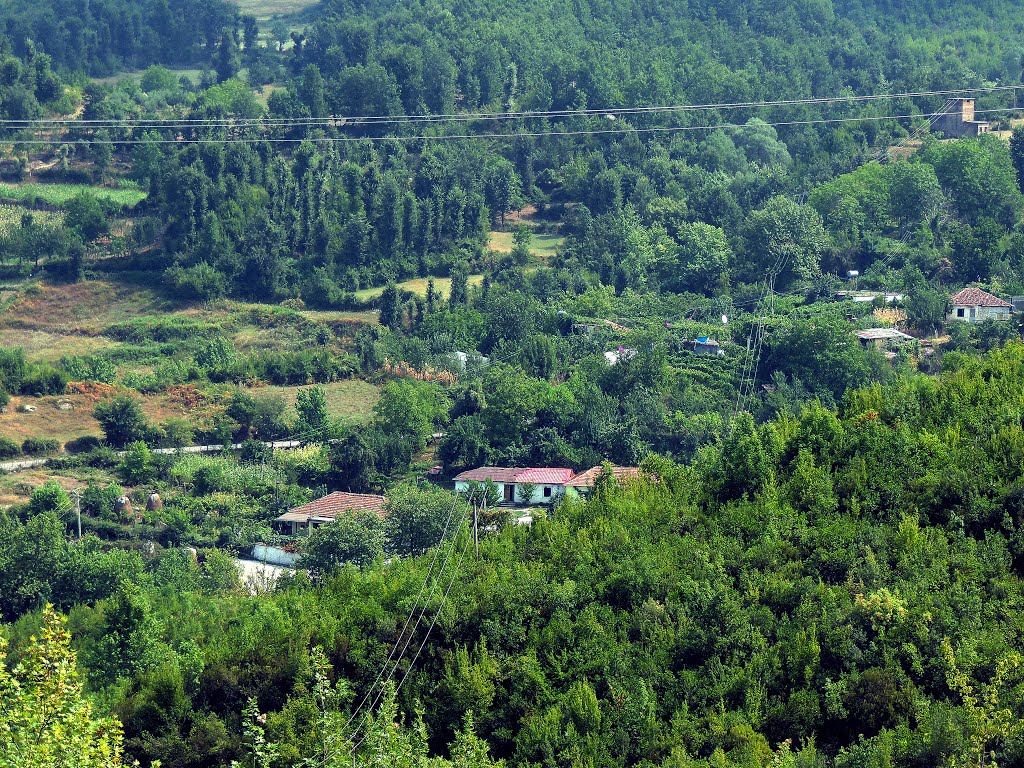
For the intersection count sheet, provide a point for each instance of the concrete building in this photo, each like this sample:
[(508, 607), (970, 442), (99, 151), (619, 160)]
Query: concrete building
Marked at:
[(973, 305), (957, 120)]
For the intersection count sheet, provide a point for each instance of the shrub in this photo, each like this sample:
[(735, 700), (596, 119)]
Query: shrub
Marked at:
[(8, 448), (82, 444), (33, 446), (122, 420)]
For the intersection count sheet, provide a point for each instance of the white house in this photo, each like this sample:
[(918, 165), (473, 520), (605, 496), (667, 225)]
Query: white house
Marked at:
[(548, 482), (973, 305)]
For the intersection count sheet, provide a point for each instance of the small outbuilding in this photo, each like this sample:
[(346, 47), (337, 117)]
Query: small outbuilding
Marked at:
[(327, 508), (879, 337), (973, 305), (702, 345)]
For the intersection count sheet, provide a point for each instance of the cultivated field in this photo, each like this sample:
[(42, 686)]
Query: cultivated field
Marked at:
[(58, 195), (10, 218)]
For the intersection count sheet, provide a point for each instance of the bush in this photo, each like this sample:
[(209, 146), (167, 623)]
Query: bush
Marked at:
[(82, 444), (8, 448), (85, 214), (33, 446), (122, 420)]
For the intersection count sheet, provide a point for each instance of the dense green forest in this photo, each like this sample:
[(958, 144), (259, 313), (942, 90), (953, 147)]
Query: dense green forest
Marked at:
[(842, 582), (104, 36), (419, 238)]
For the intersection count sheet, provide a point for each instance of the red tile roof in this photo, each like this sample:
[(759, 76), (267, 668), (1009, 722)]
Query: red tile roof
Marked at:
[(334, 504), (588, 478), (975, 297), (539, 475), (545, 476)]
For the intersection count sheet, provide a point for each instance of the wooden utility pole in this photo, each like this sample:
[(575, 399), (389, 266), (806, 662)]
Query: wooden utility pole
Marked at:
[(78, 513)]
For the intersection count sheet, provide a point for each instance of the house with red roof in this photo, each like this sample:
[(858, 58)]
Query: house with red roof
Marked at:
[(547, 484), (973, 305), (327, 508)]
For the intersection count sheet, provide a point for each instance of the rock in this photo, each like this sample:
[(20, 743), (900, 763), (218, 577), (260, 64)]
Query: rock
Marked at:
[(64, 405), (26, 408)]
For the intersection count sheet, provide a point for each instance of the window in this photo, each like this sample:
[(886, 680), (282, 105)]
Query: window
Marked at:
[(547, 491), (960, 312)]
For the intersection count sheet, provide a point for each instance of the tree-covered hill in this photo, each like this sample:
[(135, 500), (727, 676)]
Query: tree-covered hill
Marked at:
[(843, 585)]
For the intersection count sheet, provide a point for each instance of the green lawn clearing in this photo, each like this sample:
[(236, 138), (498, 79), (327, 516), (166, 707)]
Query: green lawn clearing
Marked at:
[(543, 246), (58, 195), (418, 285)]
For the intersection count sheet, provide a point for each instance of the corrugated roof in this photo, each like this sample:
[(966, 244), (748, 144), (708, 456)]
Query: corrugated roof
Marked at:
[(545, 475), (334, 504), (975, 297), (588, 478), (876, 334)]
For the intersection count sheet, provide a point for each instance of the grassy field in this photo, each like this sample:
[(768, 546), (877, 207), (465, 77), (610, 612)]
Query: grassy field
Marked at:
[(542, 246), (418, 285), (59, 194), (135, 75), (80, 309), (263, 10), (350, 400), (50, 421)]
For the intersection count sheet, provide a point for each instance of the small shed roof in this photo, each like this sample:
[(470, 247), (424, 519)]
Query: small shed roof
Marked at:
[(334, 504), (587, 478), (877, 334), (975, 297)]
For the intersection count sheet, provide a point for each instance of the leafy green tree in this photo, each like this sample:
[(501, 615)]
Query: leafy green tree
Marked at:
[(314, 421), (356, 538), (459, 293), (745, 466), (416, 518), (128, 641), (703, 260), (784, 238), (47, 718), (353, 463), (85, 215), (227, 61), (411, 409), (121, 420), (390, 308), (137, 465)]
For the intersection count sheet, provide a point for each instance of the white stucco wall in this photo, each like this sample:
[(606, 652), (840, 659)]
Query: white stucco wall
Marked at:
[(980, 314), (557, 490)]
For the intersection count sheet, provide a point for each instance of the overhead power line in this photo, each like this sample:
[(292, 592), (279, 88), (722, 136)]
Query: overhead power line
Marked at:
[(522, 115), (474, 136)]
